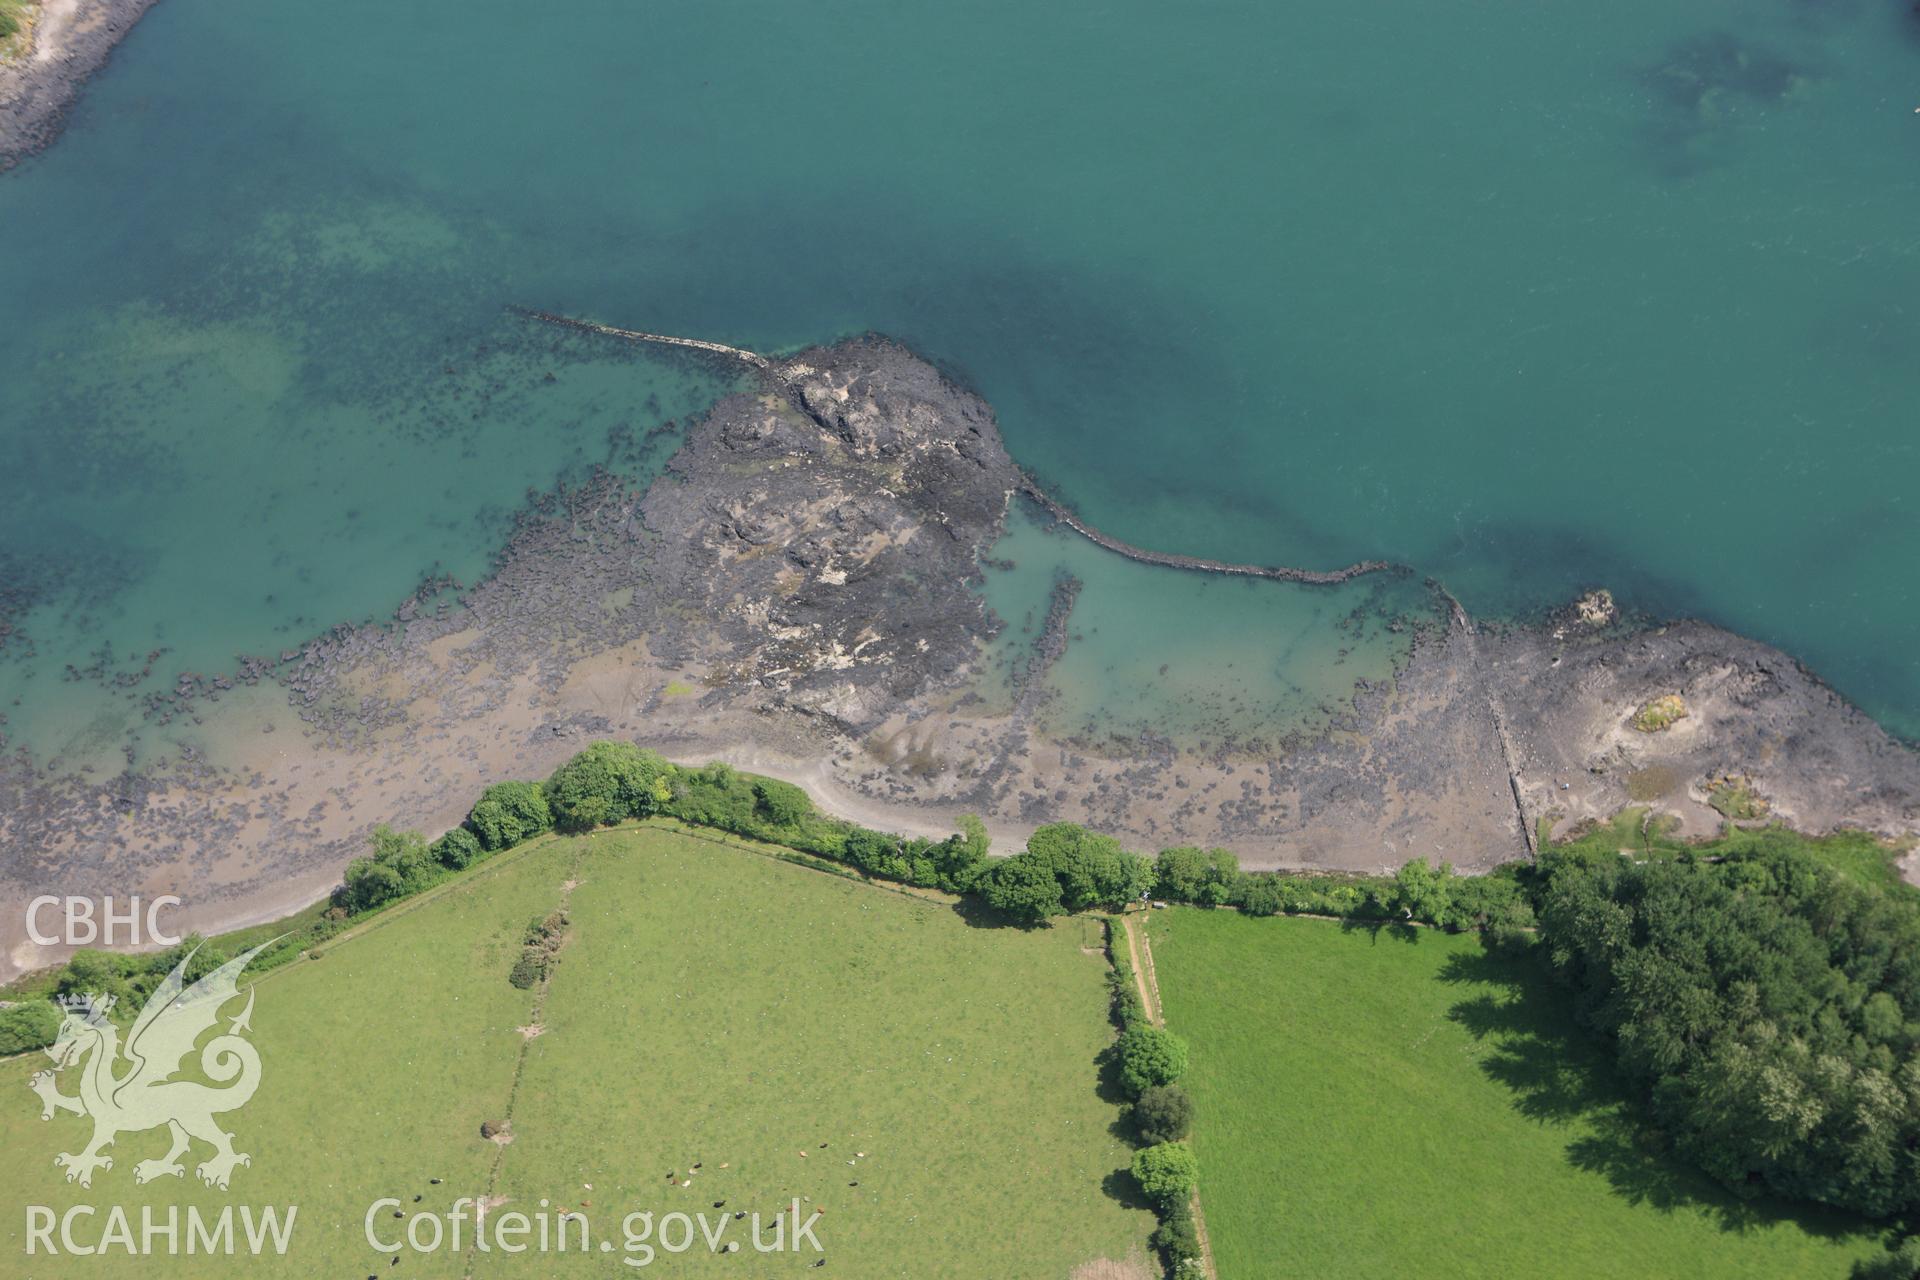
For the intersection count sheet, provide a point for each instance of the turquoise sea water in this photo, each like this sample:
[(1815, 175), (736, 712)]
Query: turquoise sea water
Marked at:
[(1532, 296)]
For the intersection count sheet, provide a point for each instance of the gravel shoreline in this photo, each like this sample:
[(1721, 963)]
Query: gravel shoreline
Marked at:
[(72, 39)]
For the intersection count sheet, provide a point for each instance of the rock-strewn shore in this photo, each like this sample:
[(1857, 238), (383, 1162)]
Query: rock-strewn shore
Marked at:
[(797, 595), (72, 39)]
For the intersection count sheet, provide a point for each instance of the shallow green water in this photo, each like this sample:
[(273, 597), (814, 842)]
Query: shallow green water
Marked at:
[(1224, 662), (1532, 296)]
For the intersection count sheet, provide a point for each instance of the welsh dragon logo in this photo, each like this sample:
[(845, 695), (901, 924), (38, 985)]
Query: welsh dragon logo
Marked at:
[(126, 1089)]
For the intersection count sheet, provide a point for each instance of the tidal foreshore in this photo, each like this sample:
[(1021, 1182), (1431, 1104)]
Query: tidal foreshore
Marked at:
[(798, 594), (62, 44)]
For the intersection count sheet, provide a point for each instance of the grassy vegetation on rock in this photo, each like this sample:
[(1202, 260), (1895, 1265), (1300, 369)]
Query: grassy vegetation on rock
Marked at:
[(1660, 713), (1734, 798)]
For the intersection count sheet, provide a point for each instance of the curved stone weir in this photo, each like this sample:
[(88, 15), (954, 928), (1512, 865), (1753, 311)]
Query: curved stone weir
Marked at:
[(1029, 486)]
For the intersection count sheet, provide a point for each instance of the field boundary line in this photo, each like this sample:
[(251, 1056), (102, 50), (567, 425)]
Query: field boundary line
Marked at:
[(775, 852), (535, 1013), (1139, 945)]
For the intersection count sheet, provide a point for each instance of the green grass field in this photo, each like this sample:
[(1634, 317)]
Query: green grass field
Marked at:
[(1398, 1103), (710, 1005)]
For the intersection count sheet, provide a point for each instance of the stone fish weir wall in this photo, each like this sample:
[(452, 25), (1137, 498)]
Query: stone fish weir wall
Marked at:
[(796, 595), (1031, 488)]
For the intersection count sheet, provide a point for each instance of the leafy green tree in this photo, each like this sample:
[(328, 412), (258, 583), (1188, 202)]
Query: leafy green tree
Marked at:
[(31, 1024), (1180, 873), (509, 812), (1261, 895), (1163, 1113), (960, 860), (1093, 870), (604, 783), (400, 864), (973, 839), (1150, 1056), (367, 884), (457, 848), (205, 959), (1423, 892), (1166, 1172), (1189, 874), (92, 972), (1023, 887), (404, 851), (1222, 879), (784, 804), (877, 853)]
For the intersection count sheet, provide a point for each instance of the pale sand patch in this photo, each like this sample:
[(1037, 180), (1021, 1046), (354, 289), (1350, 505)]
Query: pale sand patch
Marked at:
[(1133, 1267), (57, 22)]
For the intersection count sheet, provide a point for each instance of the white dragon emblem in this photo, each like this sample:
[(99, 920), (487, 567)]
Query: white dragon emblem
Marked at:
[(145, 1095)]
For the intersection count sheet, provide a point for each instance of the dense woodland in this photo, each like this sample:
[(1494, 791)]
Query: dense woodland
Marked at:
[(1767, 1005)]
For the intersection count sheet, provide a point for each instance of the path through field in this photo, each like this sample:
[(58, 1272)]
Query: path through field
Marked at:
[(1140, 951)]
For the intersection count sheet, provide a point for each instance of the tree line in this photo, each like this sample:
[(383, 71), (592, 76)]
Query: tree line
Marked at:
[(1148, 1062)]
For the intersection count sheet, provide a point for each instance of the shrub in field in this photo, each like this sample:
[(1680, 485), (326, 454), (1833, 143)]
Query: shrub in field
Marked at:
[(1262, 896), (1126, 1006), (540, 950), (1178, 1240), (714, 796), (1661, 713)]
